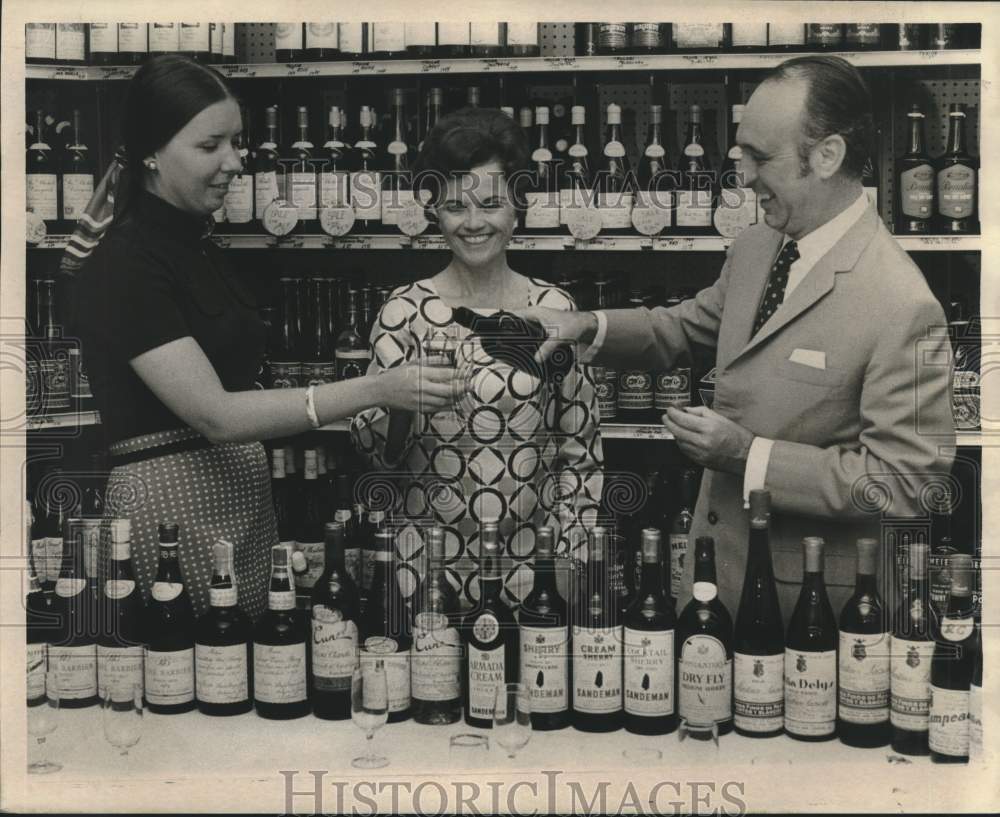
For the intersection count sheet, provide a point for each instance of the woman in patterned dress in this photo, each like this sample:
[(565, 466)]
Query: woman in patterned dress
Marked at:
[(515, 450)]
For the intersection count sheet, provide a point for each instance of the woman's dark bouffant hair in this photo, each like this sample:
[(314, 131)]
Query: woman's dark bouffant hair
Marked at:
[(468, 138), (165, 94)]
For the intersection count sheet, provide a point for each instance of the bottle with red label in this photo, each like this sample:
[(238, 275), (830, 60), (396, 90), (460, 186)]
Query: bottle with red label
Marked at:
[(916, 181), (957, 180)]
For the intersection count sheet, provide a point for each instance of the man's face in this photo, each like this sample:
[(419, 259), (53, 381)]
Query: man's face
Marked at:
[(769, 135)]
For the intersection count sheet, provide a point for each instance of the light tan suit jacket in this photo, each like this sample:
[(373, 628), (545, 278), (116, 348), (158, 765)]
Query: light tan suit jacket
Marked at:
[(866, 437)]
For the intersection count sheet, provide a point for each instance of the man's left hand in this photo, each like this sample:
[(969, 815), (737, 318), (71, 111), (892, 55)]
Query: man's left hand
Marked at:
[(710, 439)]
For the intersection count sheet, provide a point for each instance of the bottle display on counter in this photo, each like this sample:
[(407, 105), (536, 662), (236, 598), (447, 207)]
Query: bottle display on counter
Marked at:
[(223, 644), (863, 678), (650, 623), (169, 654), (759, 640), (811, 655), (543, 618), (436, 651), (120, 642), (280, 636)]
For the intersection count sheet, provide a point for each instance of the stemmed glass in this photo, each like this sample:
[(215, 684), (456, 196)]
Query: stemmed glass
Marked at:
[(444, 346), (369, 709), (122, 714), (43, 719), (512, 717)]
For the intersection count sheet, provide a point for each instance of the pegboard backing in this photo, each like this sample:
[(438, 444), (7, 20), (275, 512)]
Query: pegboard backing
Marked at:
[(255, 42), (557, 39)]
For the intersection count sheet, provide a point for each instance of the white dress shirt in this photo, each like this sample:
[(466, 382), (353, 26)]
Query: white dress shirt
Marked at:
[(812, 247)]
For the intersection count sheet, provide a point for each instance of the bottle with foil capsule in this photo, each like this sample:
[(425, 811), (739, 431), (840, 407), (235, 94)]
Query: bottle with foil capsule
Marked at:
[(169, 656), (915, 180), (366, 184), (397, 180), (650, 622), (302, 180), (759, 643), (654, 196), (575, 189), (694, 195), (280, 639), (268, 176), (120, 644), (436, 651), (957, 179), (545, 646), (911, 656), (863, 658), (223, 644), (811, 655), (542, 194), (490, 635), (951, 669), (614, 186)]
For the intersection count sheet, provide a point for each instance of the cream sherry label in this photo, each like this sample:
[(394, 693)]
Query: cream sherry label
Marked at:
[(597, 669), (486, 670)]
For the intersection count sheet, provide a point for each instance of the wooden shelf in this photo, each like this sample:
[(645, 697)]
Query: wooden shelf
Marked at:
[(71, 419), (522, 65)]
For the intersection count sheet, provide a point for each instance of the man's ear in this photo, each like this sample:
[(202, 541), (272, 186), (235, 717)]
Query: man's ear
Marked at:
[(828, 155)]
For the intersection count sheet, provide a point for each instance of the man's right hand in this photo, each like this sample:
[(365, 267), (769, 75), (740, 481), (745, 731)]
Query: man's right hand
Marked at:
[(575, 328)]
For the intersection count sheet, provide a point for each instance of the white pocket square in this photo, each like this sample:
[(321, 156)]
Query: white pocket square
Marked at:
[(809, 357)]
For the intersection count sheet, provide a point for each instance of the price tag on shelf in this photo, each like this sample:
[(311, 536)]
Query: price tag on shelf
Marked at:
[(336, 221), (584, 223), (430, 66), (239, 71), (67, 72), (498, 65), (650, 219), (280, 217), (34, 228), (681, 244), (562, 63), (631, 62), (413, 219), (117, 72), (700, 59)]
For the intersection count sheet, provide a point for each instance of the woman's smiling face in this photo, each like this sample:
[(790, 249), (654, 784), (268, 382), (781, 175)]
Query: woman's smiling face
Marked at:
[(476, 215)]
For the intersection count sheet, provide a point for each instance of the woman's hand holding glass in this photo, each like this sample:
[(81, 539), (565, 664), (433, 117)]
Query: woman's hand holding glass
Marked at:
[(443, 347), (425, 386)]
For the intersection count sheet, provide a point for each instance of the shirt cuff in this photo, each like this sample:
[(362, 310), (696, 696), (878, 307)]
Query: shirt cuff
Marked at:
[(756, 470), (595, 345)]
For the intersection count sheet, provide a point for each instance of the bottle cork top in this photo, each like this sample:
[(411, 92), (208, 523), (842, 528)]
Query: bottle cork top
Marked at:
[(168, 533), (121, 531), (578, 115), (541, 115), (652, 543), (867, 556), (545, 542), (813, 550)]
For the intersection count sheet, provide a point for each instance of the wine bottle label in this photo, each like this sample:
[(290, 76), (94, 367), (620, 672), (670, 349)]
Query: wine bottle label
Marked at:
[(118, 588), (635, 390), (917, 188), (649, 672), (694, 208), (454, 34), (288, 36), (281, 600), (169, 676), (486, 670), (606, 386), (826, 34), (285, 375), (421, 33), (77, 190), (651, 213), (388, 37), (705, 681), (786, 34), (543, 211), (55, 376), (678, 553), (911, 683), (352, 363), (334, 649), (265, 190), (75, 671), (956, 191), (810, 692), (195, 37), (315, 553), (647, 35), (36, 658), (221, 673), (949, 722), (597, 669), (863, 685), (436, 659), (522, 33), (164, 37), (545, 667), (316, 374), (485, 34), (952, 629), (616, 211), (119, 667), (47, 553), (133, 38), (239, 199), (736, 210), (222, 596), (574, 198), (351, 37), (366, 186), (612, 36), (863, 34), (70, 38), (321, 35), (279, 672), (40, 41), (758, 692), (698, 35), (303, 194), (672, 388), (583, 221), (352, 563), (749, 34), (167, 591), (68, 588), (397, 669), (975, 722), (42, 197)]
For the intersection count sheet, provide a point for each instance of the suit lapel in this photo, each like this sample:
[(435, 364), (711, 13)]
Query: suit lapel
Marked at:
[(818, 281), (746, 289)]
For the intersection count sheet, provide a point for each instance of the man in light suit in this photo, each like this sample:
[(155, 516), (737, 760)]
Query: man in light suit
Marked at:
[(830, 392)]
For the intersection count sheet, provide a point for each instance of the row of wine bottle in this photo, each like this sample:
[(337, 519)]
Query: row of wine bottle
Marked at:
[(369, 186), (594, 663)]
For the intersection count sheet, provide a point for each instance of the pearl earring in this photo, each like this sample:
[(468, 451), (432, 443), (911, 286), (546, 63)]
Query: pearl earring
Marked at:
[(151, 165)]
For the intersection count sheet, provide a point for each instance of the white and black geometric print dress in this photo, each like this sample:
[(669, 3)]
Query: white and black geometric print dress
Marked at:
[(515, 450)]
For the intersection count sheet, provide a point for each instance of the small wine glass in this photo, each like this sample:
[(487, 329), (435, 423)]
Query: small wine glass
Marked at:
[(512, 717), (122, 714), (369, 709), (43, 719)]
